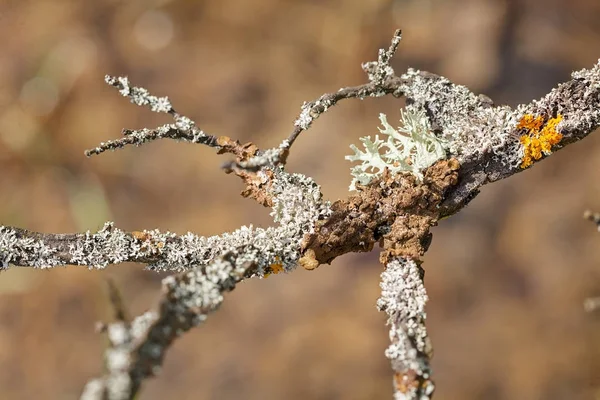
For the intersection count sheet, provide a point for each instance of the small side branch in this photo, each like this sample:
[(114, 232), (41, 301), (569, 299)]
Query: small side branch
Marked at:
[(137, 349), (381, 82), (378, 71), (184, 128), (381, 69), (403, 298)]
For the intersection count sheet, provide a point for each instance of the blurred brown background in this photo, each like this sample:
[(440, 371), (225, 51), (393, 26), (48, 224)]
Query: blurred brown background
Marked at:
[(507, 276)]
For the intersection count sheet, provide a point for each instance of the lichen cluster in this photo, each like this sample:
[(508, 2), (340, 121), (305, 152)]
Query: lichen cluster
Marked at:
[(470, 124), (411, 147), (539, 137)]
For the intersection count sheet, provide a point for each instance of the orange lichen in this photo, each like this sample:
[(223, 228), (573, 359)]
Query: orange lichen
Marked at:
[(540, 137), (531, 123), (274, 268)]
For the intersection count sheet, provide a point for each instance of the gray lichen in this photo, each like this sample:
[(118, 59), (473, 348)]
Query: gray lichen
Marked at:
[(403, 298), (411, 147), (297, 205), (469, 125)]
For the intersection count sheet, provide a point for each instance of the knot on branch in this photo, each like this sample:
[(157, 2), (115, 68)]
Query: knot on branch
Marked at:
[(394, 211)]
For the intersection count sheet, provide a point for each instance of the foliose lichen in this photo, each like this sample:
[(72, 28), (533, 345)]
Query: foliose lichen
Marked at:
[(411, 147), (539, 137)]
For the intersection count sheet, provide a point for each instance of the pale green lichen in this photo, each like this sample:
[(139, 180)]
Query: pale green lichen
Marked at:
[(412, 147)]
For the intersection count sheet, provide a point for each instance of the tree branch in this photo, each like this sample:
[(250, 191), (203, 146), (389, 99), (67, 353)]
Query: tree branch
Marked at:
[(403, 298), (482, 143), (137, 349), (184, 128)]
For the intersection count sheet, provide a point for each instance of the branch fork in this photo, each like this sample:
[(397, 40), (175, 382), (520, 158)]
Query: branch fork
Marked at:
[(485, 143)]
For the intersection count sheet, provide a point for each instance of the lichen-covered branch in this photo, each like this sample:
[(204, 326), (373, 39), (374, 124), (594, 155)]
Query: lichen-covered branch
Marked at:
[(110, 245), (297, 205), (378, 72), (449, 143), (184, 128), (211, 267), (492, 143), (381, 82), (137, 349), (403, 299)]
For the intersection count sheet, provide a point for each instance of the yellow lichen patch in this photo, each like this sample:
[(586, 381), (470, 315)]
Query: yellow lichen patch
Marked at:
[(531, 123), (539, 139), (274, 268)]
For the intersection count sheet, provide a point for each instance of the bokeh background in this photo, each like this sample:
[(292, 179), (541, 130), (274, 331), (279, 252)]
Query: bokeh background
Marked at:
[(507, 277)]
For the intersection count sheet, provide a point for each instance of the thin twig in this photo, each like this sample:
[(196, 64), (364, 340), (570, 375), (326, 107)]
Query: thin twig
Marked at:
[(379, 71), (184, 129), (137, 349)]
